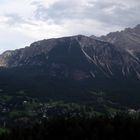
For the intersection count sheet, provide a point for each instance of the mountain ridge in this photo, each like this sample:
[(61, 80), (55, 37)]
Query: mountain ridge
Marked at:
[(128, 38), (100, 56), (73, 68)]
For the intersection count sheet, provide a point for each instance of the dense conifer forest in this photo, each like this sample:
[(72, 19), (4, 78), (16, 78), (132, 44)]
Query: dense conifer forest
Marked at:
[(120, 127)]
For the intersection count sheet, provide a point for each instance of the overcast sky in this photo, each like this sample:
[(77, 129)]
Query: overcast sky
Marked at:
[(25, 21)]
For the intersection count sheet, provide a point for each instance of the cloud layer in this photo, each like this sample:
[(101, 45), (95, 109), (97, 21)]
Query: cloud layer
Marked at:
[(22, 22)]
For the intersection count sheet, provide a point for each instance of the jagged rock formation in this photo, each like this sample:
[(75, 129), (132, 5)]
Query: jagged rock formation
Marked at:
[(128, 39)]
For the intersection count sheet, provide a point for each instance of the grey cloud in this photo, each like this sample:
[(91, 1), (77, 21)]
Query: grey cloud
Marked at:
[(121, 13), (59, 11), (41, 12), (14, 19)]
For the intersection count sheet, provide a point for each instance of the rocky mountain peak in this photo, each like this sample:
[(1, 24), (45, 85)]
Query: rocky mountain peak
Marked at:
[(128, 39), (89, 56)]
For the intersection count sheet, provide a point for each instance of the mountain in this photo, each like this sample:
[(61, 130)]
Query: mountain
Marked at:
[(75, 68), (83, 56), (128, 39)]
